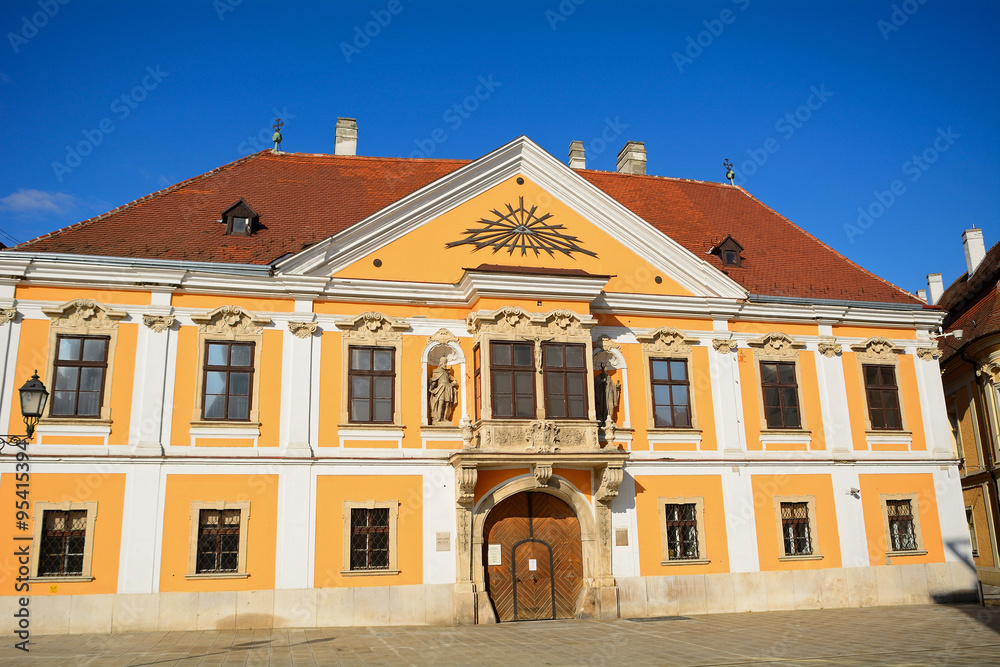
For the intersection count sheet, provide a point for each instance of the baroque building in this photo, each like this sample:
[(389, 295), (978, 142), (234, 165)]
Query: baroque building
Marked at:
[(307, 390), (970, 365)]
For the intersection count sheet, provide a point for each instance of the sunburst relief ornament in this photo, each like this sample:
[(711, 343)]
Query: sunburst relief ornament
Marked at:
[(521, 228)]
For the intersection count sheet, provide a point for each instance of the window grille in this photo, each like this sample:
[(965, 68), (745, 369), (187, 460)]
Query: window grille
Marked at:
[(901, 530), (64, 535), (218, 541), (369, 539), (795, 529), (682, 531)]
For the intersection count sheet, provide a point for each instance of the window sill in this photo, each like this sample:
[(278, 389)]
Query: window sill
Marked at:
[(663, 430), (222, 423), (801, 557), (371, 426), (74, 421), (774, 436), (60, 579), (218, 575), (915, 552), (368, 573), (688, 561)]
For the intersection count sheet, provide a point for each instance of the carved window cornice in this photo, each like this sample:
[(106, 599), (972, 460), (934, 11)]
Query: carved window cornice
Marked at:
[(7, 315), (158, 323), (666, 340), (372, 326), (991, 370), (230, 320), (776, 345), (877, 348), (829, 347), (511, 319), (303, 329), (84, 314)]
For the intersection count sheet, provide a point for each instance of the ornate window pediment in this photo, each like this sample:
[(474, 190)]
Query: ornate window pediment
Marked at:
[(776, 345), (877, 348), (84, 314), (666, 340), (230, 320), (511, 319), (372, 325)]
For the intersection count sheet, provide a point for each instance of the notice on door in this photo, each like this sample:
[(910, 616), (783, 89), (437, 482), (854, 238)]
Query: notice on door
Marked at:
[(532, 564), (494, 554)]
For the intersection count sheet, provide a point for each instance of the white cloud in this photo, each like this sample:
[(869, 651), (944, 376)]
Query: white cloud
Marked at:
[(39, 203)]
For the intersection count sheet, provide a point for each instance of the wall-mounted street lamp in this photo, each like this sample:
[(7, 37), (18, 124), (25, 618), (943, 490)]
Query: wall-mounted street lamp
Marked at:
[(33, 399)]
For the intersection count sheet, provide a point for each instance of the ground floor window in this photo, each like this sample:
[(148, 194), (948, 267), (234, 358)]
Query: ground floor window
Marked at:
[(370, 537), (64, 539)]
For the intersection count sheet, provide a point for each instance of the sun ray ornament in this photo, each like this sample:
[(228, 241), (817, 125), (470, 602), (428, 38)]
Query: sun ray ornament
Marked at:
[(524, 229)]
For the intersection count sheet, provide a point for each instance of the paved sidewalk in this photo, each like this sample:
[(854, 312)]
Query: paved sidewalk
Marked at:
[(922, 635)]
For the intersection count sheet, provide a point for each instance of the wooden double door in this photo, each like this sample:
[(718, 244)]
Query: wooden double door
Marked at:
[(533, 558)]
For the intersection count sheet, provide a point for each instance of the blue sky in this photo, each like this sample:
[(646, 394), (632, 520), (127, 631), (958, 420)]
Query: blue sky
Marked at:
[(822, 106)]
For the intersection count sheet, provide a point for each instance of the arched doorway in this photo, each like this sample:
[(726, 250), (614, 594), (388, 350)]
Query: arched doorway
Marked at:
[(533, 558)]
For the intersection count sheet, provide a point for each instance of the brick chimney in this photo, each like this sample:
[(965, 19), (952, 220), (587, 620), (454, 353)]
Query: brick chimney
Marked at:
[(577, 160), (632, 158), (346, 137), (975, 249)]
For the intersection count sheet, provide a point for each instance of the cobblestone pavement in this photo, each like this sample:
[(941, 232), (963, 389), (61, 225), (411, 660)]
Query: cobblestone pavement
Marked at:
[(921, 635)]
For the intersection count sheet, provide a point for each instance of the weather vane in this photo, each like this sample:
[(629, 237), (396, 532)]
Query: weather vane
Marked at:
[(276, 137), (730, 174)]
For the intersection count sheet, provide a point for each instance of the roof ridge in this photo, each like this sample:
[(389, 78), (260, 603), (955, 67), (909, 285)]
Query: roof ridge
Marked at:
[(136, 202), (360, 157), (660, 178), (842, 256)]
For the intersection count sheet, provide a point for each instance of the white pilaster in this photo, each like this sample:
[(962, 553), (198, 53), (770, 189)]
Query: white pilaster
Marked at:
[(741, 526), (295, 426), (10, 336), (850, 517), (951, 512), (833, 403), (294, 545), (937, 429), (149, 384), (142, 522), (439, 517), (625, 559), (726, 396)]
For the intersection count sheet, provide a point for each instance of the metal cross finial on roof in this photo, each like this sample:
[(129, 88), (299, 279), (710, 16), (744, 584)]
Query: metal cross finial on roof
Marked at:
[(276, 137), (730, 174)]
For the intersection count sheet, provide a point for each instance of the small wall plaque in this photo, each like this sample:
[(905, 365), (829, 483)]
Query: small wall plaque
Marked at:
[(444, 541), (494, 554), (621, 537), (532, 565)]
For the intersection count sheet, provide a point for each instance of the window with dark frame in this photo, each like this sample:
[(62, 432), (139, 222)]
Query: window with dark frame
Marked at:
[(781, 394), (883, 397), (512, 380), (64, 537), (372, 384), (671, 393), (370, 538), (565, 374), (795, 529), (902, 533), (228, 380), (218, 541), (682, 531), (79, 368)]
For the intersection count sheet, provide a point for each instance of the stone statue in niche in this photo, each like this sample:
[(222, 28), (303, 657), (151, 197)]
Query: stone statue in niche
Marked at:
[(443, 391), (607, 392)]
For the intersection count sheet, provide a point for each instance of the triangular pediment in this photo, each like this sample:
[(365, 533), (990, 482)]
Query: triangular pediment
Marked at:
[(517, 206)]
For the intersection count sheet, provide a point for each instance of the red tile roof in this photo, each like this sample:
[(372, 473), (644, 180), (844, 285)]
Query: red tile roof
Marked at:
[(303, 199)]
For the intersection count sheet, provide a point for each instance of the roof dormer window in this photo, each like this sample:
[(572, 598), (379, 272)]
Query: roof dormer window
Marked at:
[(730, 252), (240, 219)]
